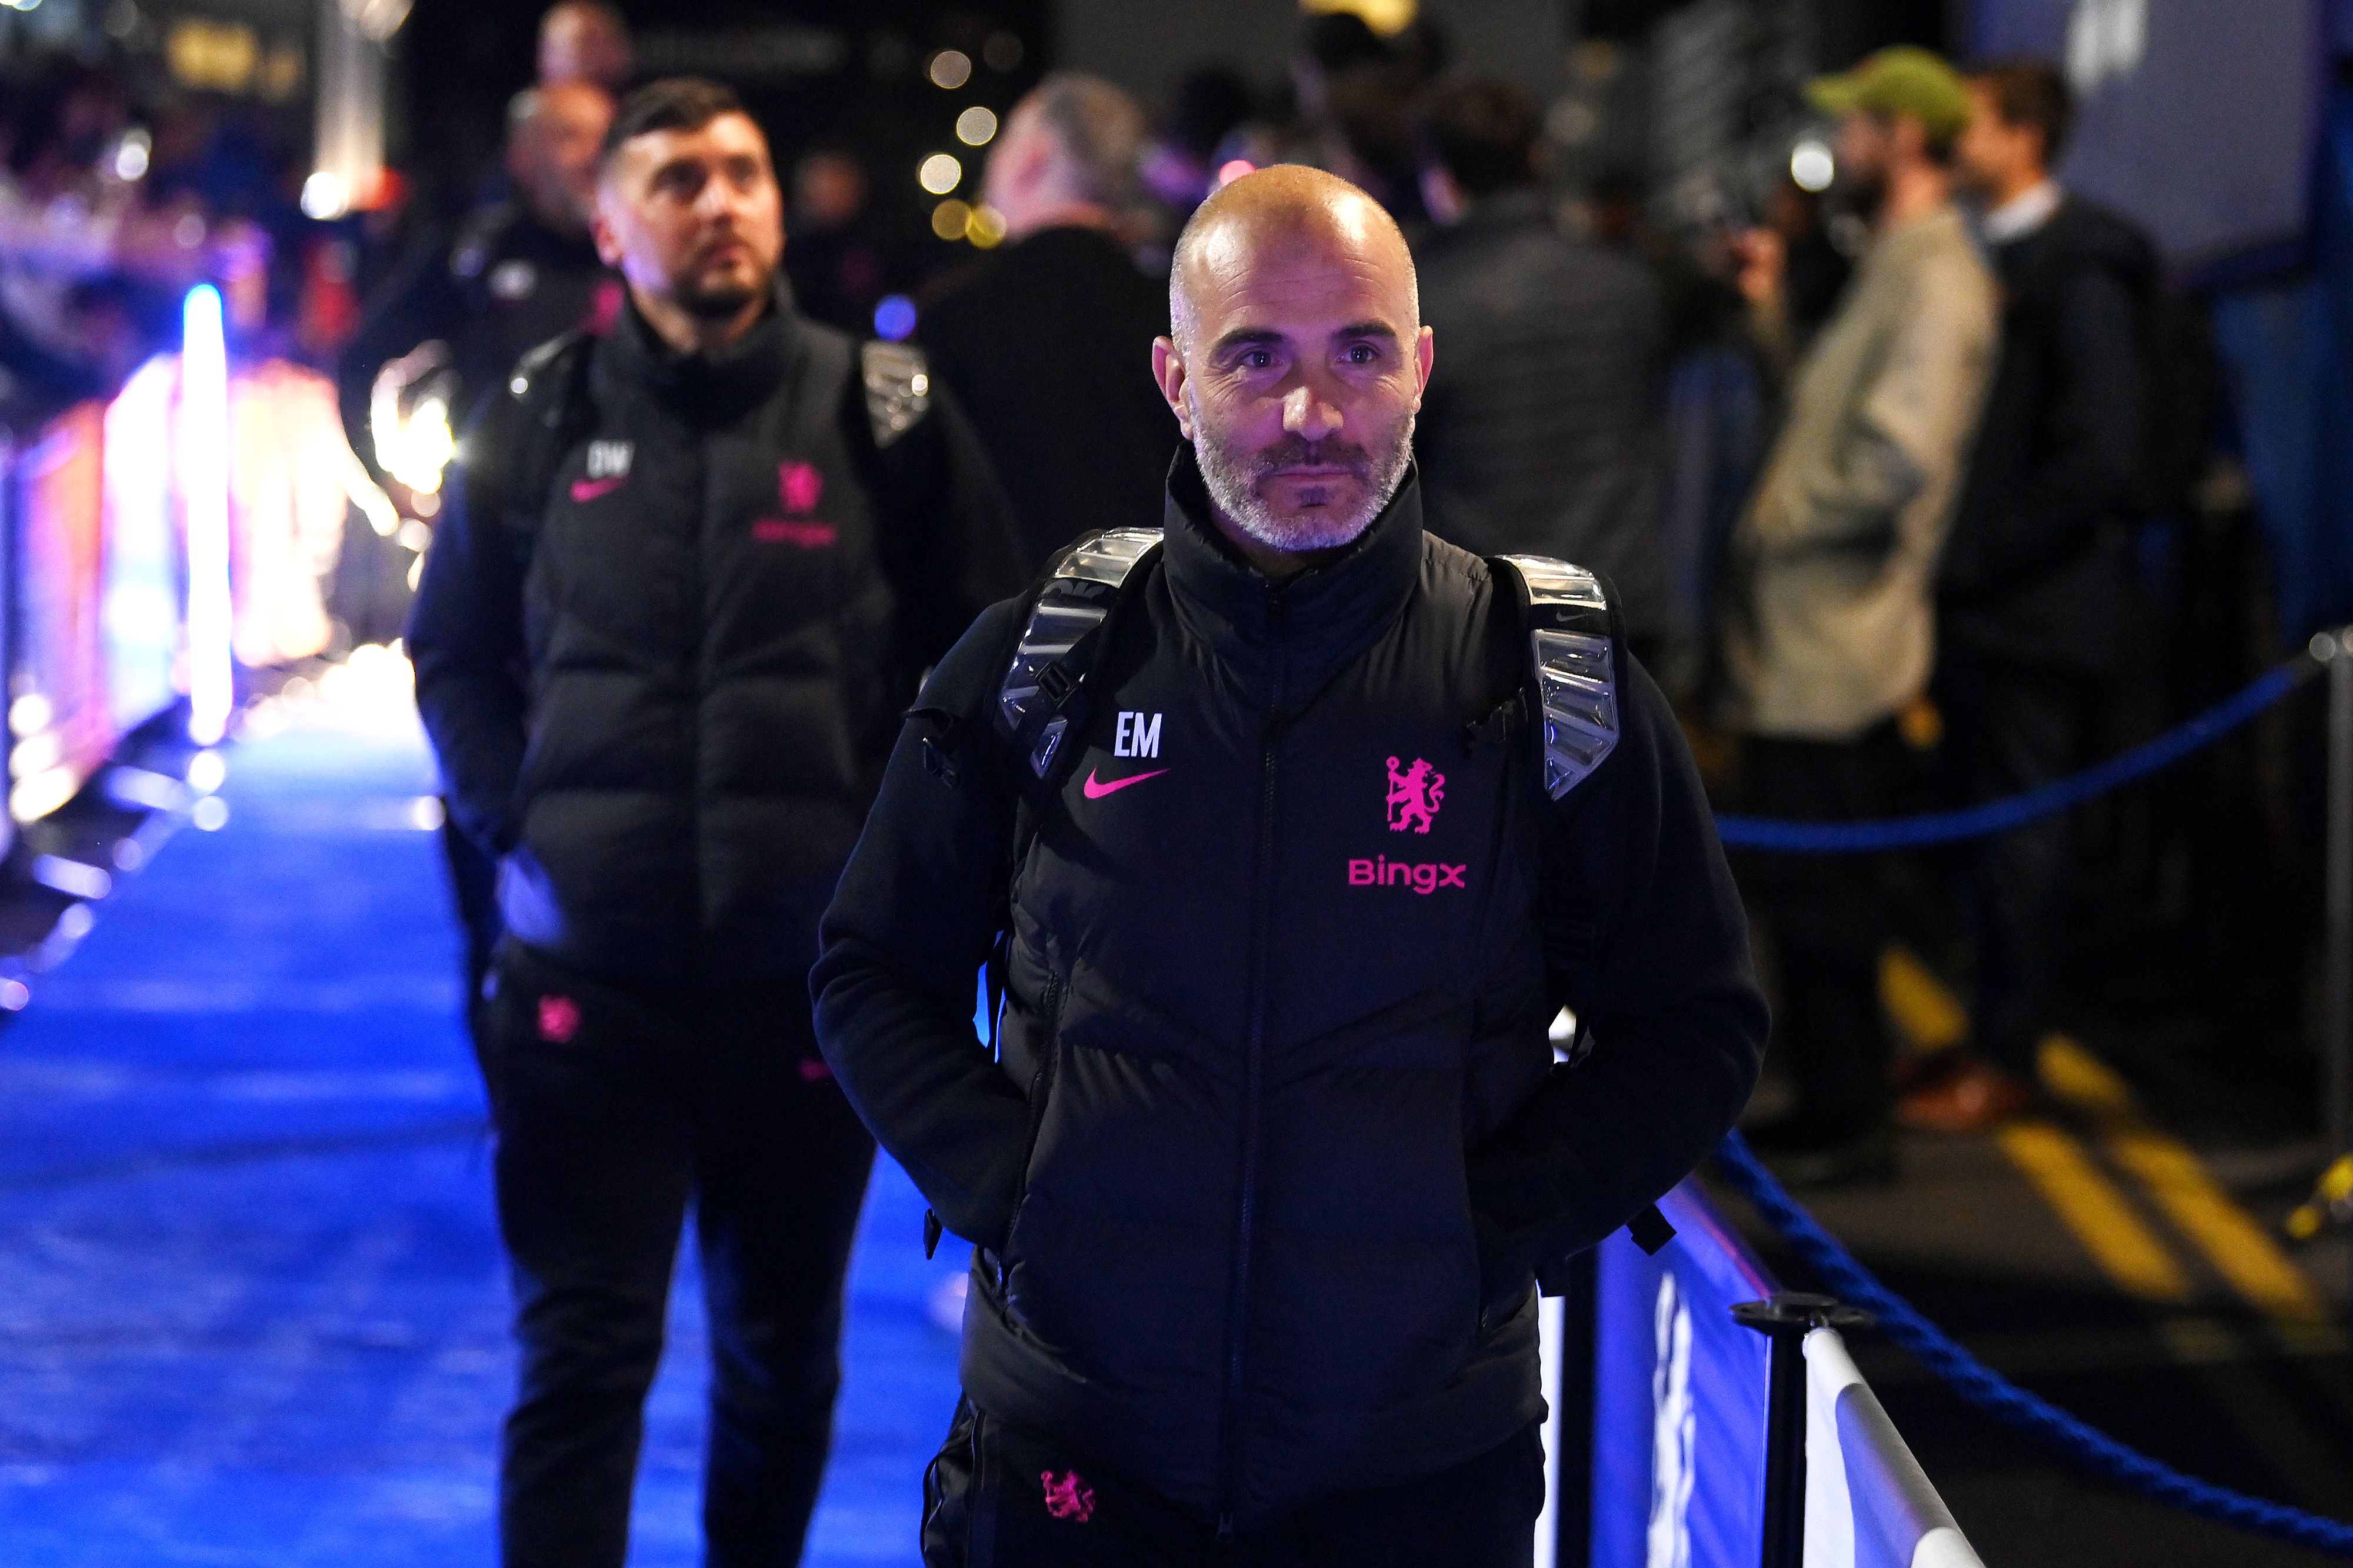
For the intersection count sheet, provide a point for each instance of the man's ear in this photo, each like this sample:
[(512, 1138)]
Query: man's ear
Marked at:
[(609, 246), (1168, 370), (1425, 354)]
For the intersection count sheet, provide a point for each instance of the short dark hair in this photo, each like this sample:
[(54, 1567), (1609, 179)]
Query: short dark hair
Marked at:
[(2029, 94), (673, 103), (1483, 133)]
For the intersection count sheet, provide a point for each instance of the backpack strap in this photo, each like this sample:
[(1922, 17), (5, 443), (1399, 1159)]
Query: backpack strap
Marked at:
[(1574, 664), (1573, 668), (1043, 687), (549, 387)]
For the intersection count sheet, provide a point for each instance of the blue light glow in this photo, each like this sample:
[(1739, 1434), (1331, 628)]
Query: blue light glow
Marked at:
[(204, 499), (894, 319)]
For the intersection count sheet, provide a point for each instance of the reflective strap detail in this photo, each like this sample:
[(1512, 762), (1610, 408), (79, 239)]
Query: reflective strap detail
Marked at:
[(1073, 603), (1108, 557), (897, 388), (1553, 582), (1568, 633)]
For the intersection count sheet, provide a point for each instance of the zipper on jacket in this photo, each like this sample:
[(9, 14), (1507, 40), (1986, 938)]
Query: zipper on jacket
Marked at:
[(1253, 1076), (1041, 1085)]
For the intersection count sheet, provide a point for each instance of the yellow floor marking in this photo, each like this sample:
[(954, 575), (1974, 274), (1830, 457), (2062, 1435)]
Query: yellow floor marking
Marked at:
[(2241, 1251), (2091, 1208), (1927, 1014)]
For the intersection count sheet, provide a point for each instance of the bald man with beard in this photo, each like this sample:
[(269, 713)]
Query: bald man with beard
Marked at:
[(1281, 860)]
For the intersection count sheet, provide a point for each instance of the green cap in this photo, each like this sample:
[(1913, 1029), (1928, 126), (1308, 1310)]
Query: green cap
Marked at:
[(1899, 80)]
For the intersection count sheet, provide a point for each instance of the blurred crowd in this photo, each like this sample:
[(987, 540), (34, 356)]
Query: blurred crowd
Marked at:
[(1863, 475)]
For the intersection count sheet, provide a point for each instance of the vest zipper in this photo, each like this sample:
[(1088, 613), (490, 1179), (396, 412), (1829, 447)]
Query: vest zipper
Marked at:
[(1041, 1085), (1254, 1084)]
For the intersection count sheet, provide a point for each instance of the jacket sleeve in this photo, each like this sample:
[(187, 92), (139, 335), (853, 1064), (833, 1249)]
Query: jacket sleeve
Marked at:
[(948, 546), (2089, 446), (911, 924), (1645, 942), (1910, 427), (465, 639)]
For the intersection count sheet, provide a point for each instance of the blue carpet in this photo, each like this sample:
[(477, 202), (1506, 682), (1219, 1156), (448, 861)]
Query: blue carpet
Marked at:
[(252, 1308)]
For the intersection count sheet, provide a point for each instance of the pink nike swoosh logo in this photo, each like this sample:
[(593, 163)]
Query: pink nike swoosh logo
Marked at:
[(1095, 791), (589, 490)]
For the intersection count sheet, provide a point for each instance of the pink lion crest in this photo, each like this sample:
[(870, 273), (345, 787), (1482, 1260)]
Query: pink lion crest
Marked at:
[(1415, 797), (800, 487), (559, 1019), (1067, 1496)]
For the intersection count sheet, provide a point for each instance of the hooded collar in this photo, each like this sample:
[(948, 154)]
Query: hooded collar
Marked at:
[(718, 387), (1293, 631)]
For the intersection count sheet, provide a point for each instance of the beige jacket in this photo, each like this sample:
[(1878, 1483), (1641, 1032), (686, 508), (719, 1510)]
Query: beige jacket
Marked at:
[(1830, 620)]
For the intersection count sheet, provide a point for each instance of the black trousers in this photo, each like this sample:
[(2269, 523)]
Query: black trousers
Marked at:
[(615, 1113), (2010, 729), (995, 1498), (1829, 917)]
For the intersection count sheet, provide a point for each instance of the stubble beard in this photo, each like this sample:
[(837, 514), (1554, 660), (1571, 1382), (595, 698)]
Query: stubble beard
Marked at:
[(1232, 477), (722, 302)]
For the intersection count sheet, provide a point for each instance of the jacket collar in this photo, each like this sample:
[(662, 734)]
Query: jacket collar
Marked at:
[(717, 386), (1294, 631)]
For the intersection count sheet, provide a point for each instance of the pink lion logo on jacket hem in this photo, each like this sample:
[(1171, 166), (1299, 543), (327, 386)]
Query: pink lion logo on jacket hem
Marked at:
[(1067, 1496)]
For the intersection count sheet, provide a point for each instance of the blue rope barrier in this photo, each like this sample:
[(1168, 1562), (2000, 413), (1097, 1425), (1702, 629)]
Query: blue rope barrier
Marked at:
[(2004, 1401), (1998, 816)]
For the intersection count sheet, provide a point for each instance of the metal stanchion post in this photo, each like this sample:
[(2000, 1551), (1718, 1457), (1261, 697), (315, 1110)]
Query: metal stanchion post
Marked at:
[(1573, 1503), (1786, 1320), (2336, 650)]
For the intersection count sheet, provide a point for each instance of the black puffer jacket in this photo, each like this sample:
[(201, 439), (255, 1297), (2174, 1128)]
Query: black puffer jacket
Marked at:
[(2035, 573), (1277, 1140), (662, 686)]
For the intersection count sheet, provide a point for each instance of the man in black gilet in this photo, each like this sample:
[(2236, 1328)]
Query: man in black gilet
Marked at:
[(1285, 861), (676, 605)]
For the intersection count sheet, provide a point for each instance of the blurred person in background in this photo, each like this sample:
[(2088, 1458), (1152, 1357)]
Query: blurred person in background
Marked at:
[(1180, 163), (677, 603), (81, 244), (1828, 620), (840, 262), (520, 272), (1541, 430), (585, 41), (1047, 342), (2031, 596)]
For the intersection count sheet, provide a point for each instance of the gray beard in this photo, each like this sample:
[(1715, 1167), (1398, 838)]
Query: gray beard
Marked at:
[(1232, 477)]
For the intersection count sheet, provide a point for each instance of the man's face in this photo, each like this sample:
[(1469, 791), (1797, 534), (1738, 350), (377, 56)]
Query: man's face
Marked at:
[(1991, 153), (1299, 374), (695, 216), (554, 158), (1014, 159), (1863, 149), (580, 43)]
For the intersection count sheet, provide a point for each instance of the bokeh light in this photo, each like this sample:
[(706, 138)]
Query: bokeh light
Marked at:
[(949, 69), (1230, 171), (985, 228), (951, 218), (940, 174), (894, 319), (1811, 167), (976, 125)]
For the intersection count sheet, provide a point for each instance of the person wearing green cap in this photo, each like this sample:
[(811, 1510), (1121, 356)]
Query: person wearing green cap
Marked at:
[(1829, 626)]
